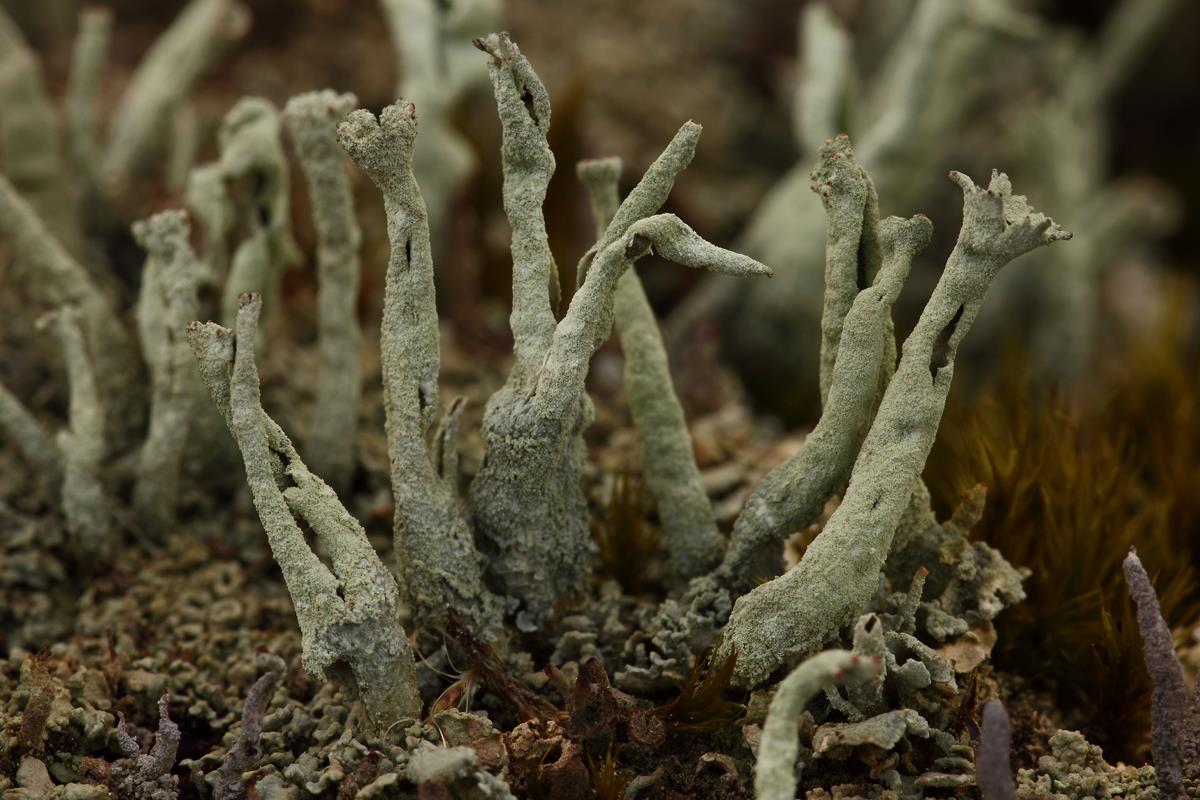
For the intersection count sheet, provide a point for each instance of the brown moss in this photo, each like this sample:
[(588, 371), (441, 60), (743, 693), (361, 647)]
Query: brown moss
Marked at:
[(1072, 485), (625, 538), (484, 664), (701, 705), (609, 782)]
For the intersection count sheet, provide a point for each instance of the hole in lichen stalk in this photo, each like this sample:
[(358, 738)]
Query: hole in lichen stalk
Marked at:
[(860, 275), (941, 347), (317, 546), (527, 99), (638, 246), (407, 251), (422, 397), (343, 673)]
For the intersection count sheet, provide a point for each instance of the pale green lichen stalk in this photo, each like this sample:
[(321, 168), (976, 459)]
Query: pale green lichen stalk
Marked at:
[(166, 305), (212, 450), (311, 119), (184, 142), (35, 445), (852, 248), (349, 611), (210, 205), (31, 152), (255, 172), (88, 59), (434, 549), (868, 264), (775, 770), (82, 445), (201, 32), (52, 278), (527, 504), (589, 319), (795, 613), (524, 108), (527, 507), (437, 66), (825, 71), (601, 177), (72, 463), (689, 526), (524, 486)]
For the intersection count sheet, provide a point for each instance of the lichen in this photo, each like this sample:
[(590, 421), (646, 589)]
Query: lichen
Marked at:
[(920, 90), (88, 59), (255, 172), (437, 66), (907, 667), (795, 613), (1065, 139), (52, 278), (246, 750), (774, 773), (31, 152), (311, 120), (858, 334), (1075, 770), (435, 552), (208, 201), (689, 526), (165, 307), (37, 447), (882, 732), (348, 613), (969, 582), (529, 512), (147, 776), (201, 32), (905, 602), (82, 445)]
